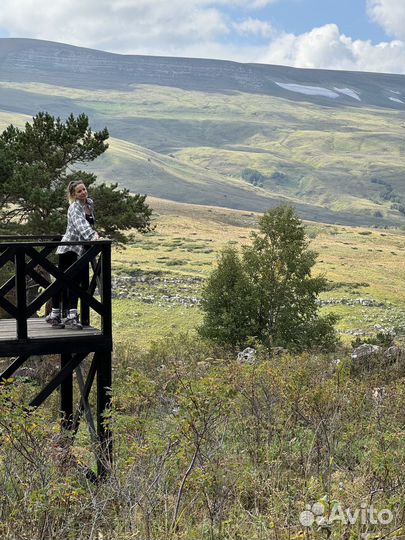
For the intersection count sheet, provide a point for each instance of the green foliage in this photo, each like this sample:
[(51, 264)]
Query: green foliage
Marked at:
[(269, 293), (36, 167), (208, 447), (119, 210), (254, 177), (278, 177), (228, 302), (399, 207), (383, 339)]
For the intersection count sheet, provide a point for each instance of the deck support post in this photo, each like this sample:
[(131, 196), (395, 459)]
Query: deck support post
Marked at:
[(66, 394), (104, 372)]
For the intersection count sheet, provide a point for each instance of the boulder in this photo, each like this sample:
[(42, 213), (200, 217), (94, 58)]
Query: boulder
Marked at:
[(365, 351), (247, 356)]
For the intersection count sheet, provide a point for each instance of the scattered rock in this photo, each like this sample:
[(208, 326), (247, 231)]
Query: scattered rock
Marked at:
[(368, 302), (203, 364), (131, 287), (365, 351), (393, 353), (247, 356)]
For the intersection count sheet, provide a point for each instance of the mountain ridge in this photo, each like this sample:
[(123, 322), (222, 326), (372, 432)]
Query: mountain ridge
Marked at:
[(328, 142), (37, 60)]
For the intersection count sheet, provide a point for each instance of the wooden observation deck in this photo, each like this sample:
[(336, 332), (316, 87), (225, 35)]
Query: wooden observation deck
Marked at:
[(33, 278)]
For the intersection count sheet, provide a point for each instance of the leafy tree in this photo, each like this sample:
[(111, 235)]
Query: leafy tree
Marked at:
[(269, 292), (227, 301), (36, 166)]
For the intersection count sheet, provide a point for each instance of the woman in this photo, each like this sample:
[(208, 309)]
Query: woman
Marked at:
[(79, 228)]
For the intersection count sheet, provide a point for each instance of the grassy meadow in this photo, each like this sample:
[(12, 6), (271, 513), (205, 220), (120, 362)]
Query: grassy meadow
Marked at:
[(171, 263)]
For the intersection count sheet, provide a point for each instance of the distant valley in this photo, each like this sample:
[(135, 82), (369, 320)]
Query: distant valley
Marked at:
[(243, 136)]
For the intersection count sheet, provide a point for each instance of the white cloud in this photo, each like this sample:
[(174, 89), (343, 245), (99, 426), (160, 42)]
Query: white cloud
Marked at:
[(389, 14), (197, 28), (256, 27), (120, 25), (155, 27), (326, 48), (262, 3)]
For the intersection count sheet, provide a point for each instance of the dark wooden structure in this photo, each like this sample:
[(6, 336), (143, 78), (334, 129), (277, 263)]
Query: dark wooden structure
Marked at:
[(24, 334)]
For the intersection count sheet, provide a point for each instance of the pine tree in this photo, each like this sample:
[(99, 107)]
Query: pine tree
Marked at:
[(36, 166)]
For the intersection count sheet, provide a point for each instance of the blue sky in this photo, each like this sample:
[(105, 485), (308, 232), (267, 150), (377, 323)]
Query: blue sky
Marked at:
[(332, 34), (299, 16)]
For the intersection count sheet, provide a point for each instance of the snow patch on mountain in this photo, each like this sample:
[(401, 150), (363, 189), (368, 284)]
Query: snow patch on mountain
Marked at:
[(349, 92), (395, 99), (308, 90)]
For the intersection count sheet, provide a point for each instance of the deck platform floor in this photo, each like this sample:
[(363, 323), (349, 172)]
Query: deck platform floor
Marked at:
[(38, 328)]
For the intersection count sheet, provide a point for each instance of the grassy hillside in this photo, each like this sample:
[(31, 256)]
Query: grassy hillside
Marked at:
[(160, 275), (334, 165)]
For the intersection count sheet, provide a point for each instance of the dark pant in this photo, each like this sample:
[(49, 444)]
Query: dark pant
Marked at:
[(69, 299)]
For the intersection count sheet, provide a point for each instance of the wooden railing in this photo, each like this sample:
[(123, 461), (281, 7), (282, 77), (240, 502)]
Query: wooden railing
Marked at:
[(90, 273)]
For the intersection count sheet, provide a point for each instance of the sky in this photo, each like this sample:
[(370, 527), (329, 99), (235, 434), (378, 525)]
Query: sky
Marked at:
[(361, 35)]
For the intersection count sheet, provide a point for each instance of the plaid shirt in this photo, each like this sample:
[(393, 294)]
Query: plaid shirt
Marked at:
[(78, 228)]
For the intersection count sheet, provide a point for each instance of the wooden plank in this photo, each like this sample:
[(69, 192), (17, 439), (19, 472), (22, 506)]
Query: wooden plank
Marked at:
[(66, 393), (5, 242), (84, 307), (39, 338), (69, 344), (85, 392), (84, 403), (8, 307), (6, 287), (106, 319), (38, 328), (6, 255)]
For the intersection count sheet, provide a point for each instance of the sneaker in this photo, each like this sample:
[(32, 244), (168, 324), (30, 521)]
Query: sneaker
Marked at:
[(73, 323), (55, 322), (49, 318)]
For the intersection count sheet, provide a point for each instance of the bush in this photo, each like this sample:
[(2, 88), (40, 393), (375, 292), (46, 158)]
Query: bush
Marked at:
[(208, 447), (254, 177)]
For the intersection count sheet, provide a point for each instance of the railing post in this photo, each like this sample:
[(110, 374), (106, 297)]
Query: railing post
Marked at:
[(106, 320), (84, 307), (21, 293)]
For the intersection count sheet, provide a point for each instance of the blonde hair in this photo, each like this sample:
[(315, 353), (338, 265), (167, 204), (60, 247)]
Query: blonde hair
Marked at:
[(72, 188)]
